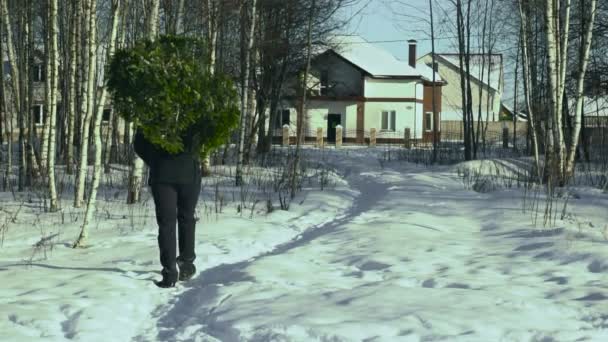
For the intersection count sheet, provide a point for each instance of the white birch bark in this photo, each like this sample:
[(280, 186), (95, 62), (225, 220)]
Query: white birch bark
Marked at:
[(7, 119), (302, 109), (44, 144), (179, 20), (244, 93), (211, 10), (74, 39), (90, 7), (579, 89), (11, 56), (54, 77), (553, 78), (136, 176), (563, 65), (92, 199), (526, 76)]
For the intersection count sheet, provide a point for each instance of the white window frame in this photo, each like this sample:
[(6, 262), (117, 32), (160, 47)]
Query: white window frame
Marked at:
[(38, 70), (103, 120), (428, 129), (391, 120), (38, 108)]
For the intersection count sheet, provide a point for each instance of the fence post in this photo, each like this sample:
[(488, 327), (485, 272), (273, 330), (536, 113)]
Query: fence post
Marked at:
[(406, 138), (372, 137), (320, 137), (338, 136), (285, 135), (505, 137)]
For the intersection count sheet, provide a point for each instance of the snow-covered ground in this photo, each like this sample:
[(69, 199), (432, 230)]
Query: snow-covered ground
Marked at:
[(399, 253)]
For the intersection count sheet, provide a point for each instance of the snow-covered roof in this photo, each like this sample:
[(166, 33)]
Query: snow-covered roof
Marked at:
[(479, 63), (377, 61)]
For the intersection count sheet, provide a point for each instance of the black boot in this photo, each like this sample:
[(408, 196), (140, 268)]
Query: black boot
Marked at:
[(169, 279), (186, 270)]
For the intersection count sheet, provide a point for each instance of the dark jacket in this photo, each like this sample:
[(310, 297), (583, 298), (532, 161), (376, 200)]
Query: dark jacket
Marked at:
[(166, 168)]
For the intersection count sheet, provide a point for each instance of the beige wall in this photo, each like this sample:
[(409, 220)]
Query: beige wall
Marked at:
[(317, 115), (408, 114), (390, 88), (452, 95)]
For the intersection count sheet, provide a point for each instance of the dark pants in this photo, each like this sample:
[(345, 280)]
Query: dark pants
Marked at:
[(175, 202)]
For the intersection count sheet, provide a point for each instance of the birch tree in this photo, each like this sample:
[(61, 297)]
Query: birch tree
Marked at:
[(578, 113), (15, 87), (81, 241), (525, 39), (53, 63), (302, 109), (90, 9), (72, 85), (7, 119), (136, 176), (245, 66)]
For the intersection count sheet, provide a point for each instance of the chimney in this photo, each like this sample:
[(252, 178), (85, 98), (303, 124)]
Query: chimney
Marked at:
[(412, 43)]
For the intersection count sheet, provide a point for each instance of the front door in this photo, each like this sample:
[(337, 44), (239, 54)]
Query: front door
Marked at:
[(333, 120)]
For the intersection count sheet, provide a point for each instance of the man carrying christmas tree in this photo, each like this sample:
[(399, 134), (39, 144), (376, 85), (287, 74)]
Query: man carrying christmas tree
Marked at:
[(175, 180), (182, 112)]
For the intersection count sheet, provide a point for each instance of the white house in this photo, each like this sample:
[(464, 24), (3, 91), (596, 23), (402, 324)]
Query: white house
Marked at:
[(360, 86), (487, 84)]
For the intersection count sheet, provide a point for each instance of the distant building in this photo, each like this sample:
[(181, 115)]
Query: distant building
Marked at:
[(360, 86), (487, 76)]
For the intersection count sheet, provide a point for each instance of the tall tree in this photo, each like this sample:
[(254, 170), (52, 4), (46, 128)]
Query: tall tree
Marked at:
[(580, 78), (91, 203), (53, 63), (90, 9), (136, 176), (245, 72), (302, 104)]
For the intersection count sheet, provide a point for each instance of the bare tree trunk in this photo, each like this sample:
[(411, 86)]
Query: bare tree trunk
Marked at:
[(463, 86), (48, 98), (81, 241), (245, 90), (90, 7), (527, 85), (16, 91), (136, 176), (212, 30), (579, 89), (515, 97), (302, 109), (72, 94), (7, 120), (54, 81), (552, 162), (179, 20), (434, 99)]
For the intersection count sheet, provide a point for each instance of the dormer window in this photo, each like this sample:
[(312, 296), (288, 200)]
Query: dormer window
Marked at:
[(324, 82), (106, 115), (38, 114), (38, 73)]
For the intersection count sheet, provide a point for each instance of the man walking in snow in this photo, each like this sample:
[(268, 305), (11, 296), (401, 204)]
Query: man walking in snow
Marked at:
[(175, 180)]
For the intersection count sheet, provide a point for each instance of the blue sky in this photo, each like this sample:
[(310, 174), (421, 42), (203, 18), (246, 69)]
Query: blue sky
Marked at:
[(378, 23)]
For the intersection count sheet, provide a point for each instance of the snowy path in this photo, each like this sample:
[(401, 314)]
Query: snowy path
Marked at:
[(417, 257)]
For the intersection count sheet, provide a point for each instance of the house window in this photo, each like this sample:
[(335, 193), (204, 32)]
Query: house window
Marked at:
[(389, 118), (282, 118), (428, 121), (38, 72), (324, 82), (105, 118), (38, 114)]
